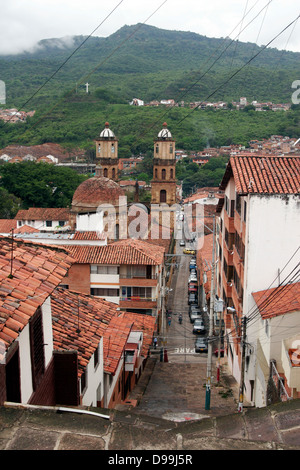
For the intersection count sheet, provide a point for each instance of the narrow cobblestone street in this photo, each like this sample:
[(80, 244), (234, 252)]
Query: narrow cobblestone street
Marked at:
[(176, 389)]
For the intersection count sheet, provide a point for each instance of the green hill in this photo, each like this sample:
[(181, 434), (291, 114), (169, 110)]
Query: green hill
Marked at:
[(148, 63)]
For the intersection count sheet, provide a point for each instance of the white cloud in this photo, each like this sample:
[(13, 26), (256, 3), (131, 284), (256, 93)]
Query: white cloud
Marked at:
[(24, 22)]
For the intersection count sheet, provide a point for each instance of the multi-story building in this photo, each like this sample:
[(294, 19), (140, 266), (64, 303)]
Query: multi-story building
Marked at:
[(127, 272), (258, 233)]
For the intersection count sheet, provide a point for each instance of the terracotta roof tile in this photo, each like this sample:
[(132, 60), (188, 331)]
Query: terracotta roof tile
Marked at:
[(79, 322), (278, 301), (121, 252), (6, 225), (89, 235), (144, 323), (41, 213), (21, 295), (264, 174), (115, 339)]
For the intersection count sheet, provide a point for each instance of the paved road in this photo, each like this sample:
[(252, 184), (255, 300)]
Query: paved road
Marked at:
[(176, 389), (180, 338)]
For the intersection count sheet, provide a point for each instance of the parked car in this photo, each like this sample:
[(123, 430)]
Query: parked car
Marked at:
[(201, 345), (192, 277), (195, 308), (193, 290), (194, 315), (192, 299), (192, 285), (198, 328), (182, 243), (189, 252)]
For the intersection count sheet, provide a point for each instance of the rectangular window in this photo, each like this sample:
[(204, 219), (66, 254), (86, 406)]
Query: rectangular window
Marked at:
[(136, 271), (245, 211), (96, 357), (98, 269), (105, 292), (61, 223), (48, 223)]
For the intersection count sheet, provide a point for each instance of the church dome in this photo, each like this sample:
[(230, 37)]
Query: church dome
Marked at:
[(164, 133), (107, 133), (94, 192)]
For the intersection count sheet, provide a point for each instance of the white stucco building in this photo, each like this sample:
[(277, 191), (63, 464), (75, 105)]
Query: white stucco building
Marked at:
[(258, 233)]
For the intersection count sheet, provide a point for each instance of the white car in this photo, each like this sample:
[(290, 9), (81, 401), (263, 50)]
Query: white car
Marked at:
[(198, 327), (193, 278)]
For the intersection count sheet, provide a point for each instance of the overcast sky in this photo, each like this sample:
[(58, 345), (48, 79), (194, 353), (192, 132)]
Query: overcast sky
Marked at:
[(24, 22)]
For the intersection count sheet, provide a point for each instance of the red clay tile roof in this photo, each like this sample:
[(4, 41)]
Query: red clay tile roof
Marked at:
[(79, 322), (89, 235), (115, 339), (144, 323), (95, 191), (278, 301), (26, 229), (121, 252), (37, 270), (40, 213), (6, 225), (264, 174)]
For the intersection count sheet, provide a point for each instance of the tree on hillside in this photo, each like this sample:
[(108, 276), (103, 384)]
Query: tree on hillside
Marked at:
[(40, 184), (9, 204)]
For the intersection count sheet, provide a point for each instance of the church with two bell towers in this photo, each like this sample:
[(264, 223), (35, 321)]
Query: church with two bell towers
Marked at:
[(163, 184)]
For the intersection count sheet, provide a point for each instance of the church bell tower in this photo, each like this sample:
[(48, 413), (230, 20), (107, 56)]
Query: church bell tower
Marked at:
[(107, 153), (163, 184)]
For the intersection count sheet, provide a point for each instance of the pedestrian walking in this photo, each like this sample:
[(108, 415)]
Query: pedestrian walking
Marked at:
[(155, 342), (169, 320)]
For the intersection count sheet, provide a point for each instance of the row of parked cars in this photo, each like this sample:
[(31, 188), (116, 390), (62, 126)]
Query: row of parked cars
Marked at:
[(195, 314)]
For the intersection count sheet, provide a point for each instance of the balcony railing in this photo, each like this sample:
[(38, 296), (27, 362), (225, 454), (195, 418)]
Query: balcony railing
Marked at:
[(136, 276), (135, 298)]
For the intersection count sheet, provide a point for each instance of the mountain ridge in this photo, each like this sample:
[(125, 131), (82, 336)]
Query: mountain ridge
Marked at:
[(154, 56)]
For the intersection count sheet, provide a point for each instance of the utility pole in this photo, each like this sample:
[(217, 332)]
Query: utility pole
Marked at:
[(243, 344), (219, 348), (210, 334)]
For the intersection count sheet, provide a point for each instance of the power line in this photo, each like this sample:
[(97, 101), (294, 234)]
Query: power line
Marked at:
[(97, 66), (67, 60), (181, 95), (255, 310), (242, 67)]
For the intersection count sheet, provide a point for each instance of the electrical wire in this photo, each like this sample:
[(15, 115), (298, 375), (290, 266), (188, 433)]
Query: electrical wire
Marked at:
[(241, 68), (256, 308), (67, 59), (281, 289), (182, 95), (97, 67)]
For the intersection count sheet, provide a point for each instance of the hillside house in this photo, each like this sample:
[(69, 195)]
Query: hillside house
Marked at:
[(44, 219)]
